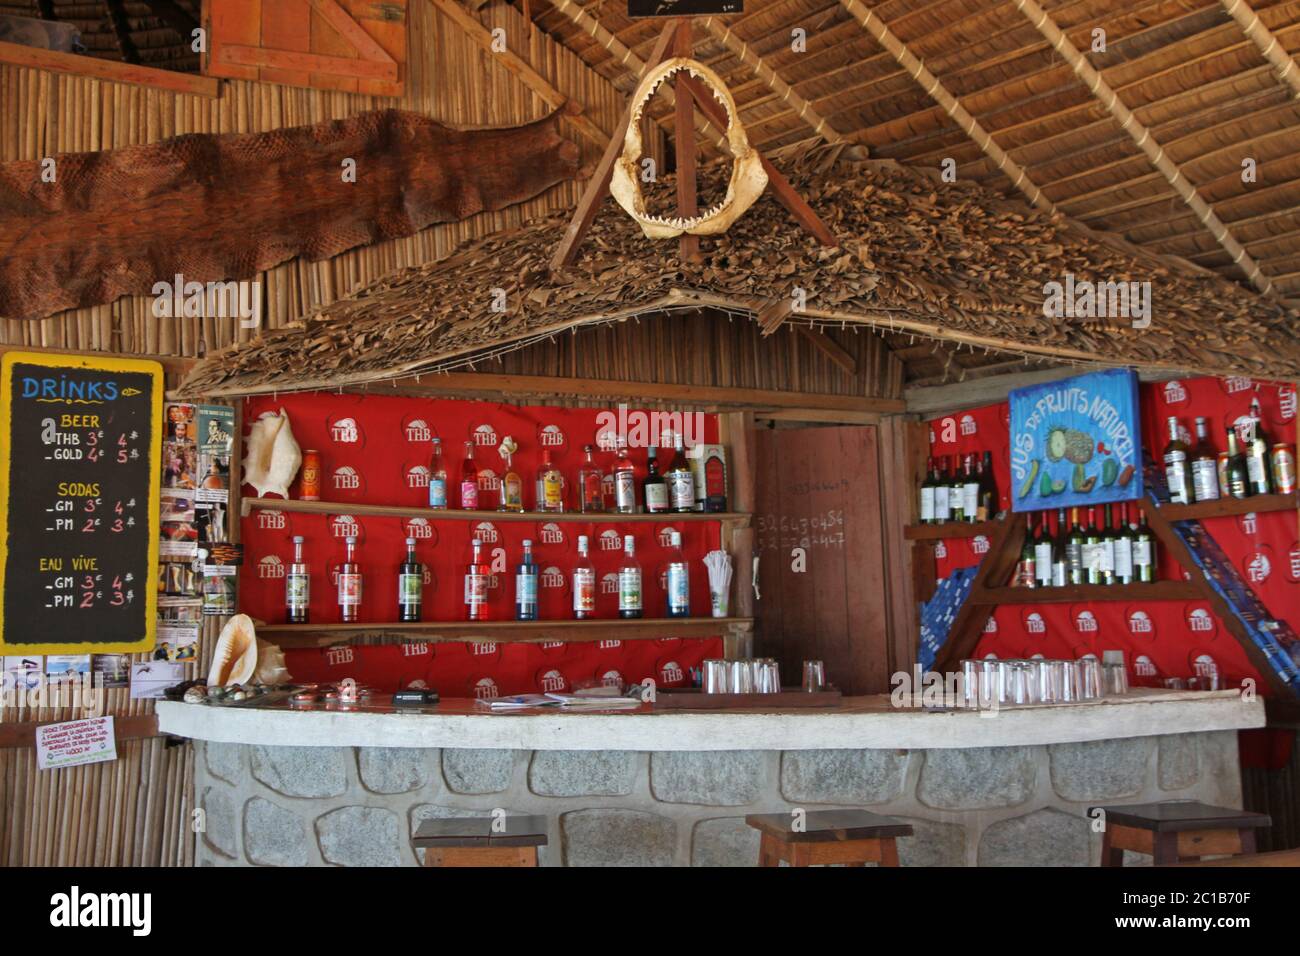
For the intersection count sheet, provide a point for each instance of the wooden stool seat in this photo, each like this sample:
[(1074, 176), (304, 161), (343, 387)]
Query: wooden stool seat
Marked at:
[(472, 841), (851, 837), (1177, 830)]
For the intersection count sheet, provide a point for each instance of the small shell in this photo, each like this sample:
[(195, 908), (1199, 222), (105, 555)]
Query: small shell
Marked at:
[(196, 695)]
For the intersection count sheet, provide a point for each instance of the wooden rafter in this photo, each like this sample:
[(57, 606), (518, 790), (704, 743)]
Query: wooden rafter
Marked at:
[(589, 25), (939, 93), (175, 16), (122, 31), (1144, 140), (784, 91), (521, 69), (1262, 37)]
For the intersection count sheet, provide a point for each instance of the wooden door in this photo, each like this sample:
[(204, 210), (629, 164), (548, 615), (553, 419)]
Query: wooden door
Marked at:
[(817, 522)]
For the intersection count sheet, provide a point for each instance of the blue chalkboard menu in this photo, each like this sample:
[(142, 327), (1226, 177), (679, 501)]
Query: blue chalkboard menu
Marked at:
[(80, 441)]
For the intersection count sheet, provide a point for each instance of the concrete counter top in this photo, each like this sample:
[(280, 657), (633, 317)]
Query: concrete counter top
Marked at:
[(858, 723)]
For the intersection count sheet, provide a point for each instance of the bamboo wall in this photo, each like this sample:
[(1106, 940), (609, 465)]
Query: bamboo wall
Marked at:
[(134, 811)]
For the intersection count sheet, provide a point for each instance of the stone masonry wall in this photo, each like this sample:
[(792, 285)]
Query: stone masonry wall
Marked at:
[(1004, 806)]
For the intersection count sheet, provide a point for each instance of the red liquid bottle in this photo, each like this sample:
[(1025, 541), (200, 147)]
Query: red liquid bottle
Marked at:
[(476, 585), (469, 480), (350, 585)]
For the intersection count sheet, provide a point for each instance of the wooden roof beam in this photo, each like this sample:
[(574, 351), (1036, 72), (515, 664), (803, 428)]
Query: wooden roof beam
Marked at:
[(784, 91), (948, 103), (1142, 137), (633, 64), (1262, 37)]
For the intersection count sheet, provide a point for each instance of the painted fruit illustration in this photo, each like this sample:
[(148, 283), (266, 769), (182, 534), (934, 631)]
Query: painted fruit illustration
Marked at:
[(1028, 485), (1109, 472), (1071, 444), (1081, 482), (1045, 485)]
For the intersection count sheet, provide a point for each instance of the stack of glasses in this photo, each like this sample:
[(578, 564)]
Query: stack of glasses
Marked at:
[(987, 683), (759, 675)]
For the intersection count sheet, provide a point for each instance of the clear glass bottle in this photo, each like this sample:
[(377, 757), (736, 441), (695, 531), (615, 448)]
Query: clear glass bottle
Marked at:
[(410, 585), (624, 481), (584, 583), (1205, 464), (629, 581), (526, 586), (550, 486), (1178, 466), (591, 484), (350, 584), (476, 585), (297, 587), (437, 477), (469, 480), (678, 578)]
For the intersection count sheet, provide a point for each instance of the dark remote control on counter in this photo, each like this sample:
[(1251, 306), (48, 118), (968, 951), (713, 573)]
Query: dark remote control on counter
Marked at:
[(417, 698)]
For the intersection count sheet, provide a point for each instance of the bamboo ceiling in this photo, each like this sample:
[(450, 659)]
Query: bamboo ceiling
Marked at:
[(945, 261), (1196, 79)]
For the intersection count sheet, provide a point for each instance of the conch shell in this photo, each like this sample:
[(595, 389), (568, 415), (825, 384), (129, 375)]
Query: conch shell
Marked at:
[(748, 178), (270, 664), (272, 456), (235, 657)]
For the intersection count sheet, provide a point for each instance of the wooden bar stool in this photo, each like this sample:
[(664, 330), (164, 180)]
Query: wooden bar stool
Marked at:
[(1177, 830), (851, 837), (471, 841)]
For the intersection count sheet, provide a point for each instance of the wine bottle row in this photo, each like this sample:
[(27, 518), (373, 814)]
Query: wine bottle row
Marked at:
[(968, 492), (1112, 552), (350, 584)]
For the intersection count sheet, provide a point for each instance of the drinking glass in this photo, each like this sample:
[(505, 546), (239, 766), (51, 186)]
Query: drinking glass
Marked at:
[(814, 676), (715, 676)]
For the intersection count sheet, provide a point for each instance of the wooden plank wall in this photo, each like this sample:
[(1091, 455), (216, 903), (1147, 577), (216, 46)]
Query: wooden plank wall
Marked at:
[(819, 489), (134, 811)]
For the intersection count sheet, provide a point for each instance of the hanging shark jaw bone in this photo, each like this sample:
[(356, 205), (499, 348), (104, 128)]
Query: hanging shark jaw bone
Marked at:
[(748, 178)]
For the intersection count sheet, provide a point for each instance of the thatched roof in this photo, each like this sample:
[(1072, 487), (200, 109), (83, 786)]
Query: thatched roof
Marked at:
[(947, 261), (131, 31)]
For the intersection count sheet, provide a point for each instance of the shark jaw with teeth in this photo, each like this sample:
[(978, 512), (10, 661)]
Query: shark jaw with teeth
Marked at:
[(748, 178)]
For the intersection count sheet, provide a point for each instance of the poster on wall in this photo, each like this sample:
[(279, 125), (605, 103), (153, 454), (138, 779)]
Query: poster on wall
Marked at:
[(1076, 442)]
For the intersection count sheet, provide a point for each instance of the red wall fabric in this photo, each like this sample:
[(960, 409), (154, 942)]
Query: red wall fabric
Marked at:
[(1171, 634), (373, 450)]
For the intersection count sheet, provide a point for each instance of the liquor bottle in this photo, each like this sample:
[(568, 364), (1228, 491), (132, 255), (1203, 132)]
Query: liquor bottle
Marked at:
[(526, 586), (469, 480), (437, 477), (1043, 553), (1106, 549), (476, 585), (350, 584), (550, 486), (678, 579), (1092, 550), (1027, 575), (1144, 550), (927, 492), (512, 487), (297, 586), (1061, 552), (1123, 544), (1074, 550), (629, 581), (990, 500), (681, 483), (584, 583), (956, 492), (625, 482), (970, 490), (942, 506), (1257, 464), (591, 489), (1178, 472), (654, 488), (1205, 465), (410, 585), (1238, 475)]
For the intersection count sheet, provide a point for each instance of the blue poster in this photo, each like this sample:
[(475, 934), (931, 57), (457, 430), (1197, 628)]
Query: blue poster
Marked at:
[(1076, 441)]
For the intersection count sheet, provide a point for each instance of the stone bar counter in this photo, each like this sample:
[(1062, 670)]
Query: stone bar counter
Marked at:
[(662, 788)]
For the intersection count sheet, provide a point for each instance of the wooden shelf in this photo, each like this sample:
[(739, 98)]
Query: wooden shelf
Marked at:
[(1224, 507), (1082, 593), (508, 632), (950, 529), (734, 518)]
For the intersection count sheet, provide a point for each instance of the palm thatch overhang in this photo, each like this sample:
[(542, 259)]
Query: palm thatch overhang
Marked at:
[(917, 257)]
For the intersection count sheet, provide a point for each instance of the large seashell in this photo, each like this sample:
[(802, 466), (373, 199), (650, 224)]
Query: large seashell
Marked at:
[(235, 657), (271, 456), (270, 665)]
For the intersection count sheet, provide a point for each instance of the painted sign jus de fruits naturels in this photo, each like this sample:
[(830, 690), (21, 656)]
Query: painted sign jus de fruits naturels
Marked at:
[(1076, 442)]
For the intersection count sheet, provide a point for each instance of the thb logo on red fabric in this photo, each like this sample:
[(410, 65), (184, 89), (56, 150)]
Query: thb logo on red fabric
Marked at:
[(345, 431), (272, 521), (1200, 621), (1140, 623), (1034, 623), (416, 430), (270, 568)]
